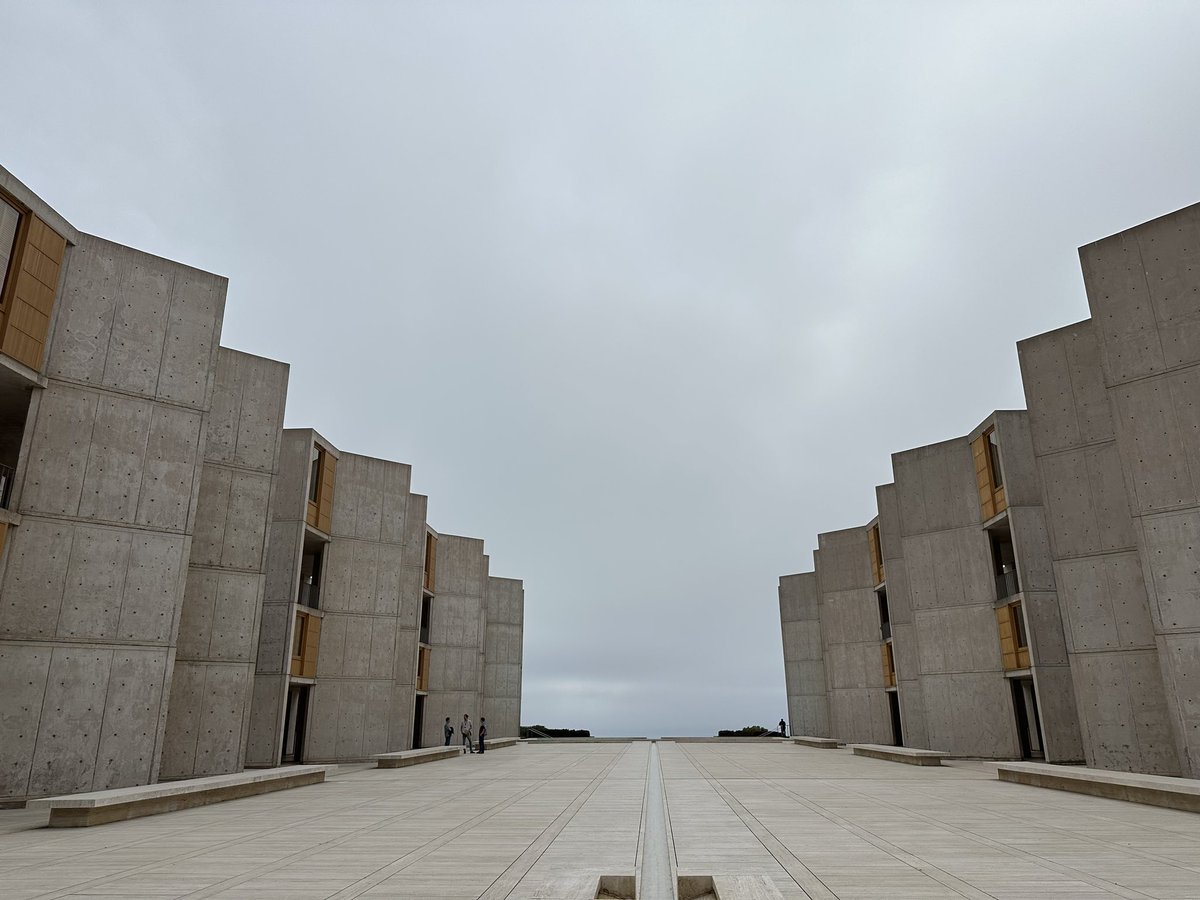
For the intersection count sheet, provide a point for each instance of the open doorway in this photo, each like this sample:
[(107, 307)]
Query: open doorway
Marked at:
[(294, 722), (1029, 723), (418, 721), (897, 727)]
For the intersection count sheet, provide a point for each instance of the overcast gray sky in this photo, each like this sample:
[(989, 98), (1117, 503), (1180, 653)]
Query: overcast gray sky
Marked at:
[(647, 293)]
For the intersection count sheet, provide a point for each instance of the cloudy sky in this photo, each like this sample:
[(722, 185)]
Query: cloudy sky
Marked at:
[(646, 292)]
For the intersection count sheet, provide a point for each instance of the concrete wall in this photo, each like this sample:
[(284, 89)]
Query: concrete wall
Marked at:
[(858, 705), (412, 579), (966, 699), (1108, 627), (285, 547), (1050, 667), (904, 633), (1143, 287), (212, 685), (502, 656), (356, 690), (803, 655), (456, 635), (110, 468)]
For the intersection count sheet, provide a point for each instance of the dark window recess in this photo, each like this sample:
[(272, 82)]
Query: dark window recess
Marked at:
[(994, 460), (1018, 615), (426, 614), (314, 475), (1004, 563), (885, 618), (310, 577)]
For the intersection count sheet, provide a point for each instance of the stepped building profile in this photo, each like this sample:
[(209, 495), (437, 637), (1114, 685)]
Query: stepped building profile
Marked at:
[(1032, 588), (186, 587)]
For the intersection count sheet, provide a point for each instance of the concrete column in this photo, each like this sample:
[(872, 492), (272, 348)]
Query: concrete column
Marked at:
[(904, 633), (803, 655), (106, 488), (213, 680), (849, 615), (456, 634), (966, 699), (502, 656)]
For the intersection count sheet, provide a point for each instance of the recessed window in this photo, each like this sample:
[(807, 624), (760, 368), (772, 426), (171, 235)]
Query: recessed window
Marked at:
[(10, 219), (993, 447), (314, 477)]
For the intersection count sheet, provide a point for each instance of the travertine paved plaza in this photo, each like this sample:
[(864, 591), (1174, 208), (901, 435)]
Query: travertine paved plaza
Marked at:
[(543, 821)]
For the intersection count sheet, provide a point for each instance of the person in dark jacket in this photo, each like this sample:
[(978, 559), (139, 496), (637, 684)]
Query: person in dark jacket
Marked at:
[(782, 728), (448, 731), (482, 732)]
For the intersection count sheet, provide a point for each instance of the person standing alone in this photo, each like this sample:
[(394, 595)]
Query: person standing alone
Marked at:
[(482, 732), (448, 731), (465, 728)]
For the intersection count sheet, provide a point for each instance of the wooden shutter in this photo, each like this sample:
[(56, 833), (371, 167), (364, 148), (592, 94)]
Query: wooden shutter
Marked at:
[(889, 665), (983, 476), (30, 300), (876, 554), (430, 560), (423, 670), (312, 642), (325, 492), (1008, 639)]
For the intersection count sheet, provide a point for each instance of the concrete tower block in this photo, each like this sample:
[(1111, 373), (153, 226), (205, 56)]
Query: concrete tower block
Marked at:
[(106, 488), (208, 720), (803, 654), (503, 654)]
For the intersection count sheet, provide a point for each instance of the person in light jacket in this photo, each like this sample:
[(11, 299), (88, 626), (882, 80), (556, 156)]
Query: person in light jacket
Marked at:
[(448, 731), (465, 728), (482, 732)]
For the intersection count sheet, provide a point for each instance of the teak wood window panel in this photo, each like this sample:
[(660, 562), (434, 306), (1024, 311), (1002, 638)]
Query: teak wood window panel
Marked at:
[(430, 561), (1014, 640), (306, 641), (320, 490), (28, 282), (988, 475), (889, 664), (876, 554), (423, 669)]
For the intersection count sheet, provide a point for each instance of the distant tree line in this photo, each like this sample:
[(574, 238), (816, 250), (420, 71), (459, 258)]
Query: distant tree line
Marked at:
[(541, 731), (748, 731)]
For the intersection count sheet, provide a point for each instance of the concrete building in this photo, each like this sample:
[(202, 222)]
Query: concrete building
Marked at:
[(375, 627), (1042, 589), (177, 572)]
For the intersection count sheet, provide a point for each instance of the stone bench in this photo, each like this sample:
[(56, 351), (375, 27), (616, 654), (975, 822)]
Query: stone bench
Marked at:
[(1155, 790), (819, 742), (99, 807), (910, 755), (401, 758)]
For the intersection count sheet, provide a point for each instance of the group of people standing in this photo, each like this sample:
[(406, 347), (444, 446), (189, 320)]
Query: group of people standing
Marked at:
[(466, 729)]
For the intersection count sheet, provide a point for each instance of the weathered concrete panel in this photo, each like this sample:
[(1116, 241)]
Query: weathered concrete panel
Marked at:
[(65, 759), (957, 639), (1121, 308), (35, 578), (1103, 600), (970, 714), (1123, 712), (27, 671)]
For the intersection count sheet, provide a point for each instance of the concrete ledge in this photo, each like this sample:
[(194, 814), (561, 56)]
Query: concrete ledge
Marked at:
[(100, 807), (818, 742), (909, 755), (402, 758), (500, 743), (1134, 787)]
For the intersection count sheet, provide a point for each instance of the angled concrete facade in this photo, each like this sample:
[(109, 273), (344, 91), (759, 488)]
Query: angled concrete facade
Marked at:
[(803, 654), (162, 535), (1043, 575), (213, 677)]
